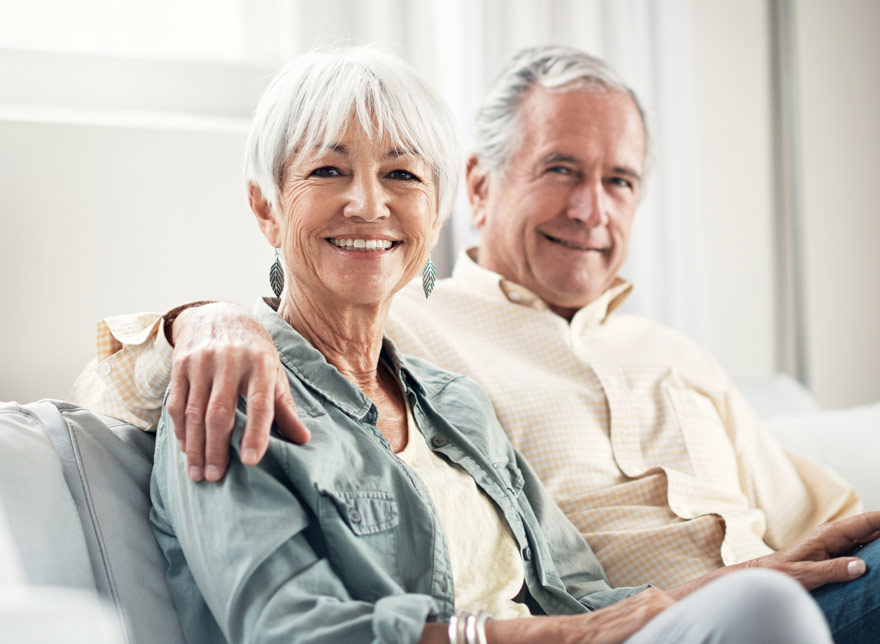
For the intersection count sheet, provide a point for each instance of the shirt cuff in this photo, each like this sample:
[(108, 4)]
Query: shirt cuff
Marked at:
[(132, 370)]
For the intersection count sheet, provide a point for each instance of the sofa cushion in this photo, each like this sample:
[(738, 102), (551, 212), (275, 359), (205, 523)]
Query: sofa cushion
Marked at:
[(845, 440), (104, 469), (41, 514)]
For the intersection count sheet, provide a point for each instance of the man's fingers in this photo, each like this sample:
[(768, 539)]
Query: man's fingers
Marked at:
[(814, 574), (219, 420), (260, 411), (176, 405), (287, 415), (194, 417), (840, 537)]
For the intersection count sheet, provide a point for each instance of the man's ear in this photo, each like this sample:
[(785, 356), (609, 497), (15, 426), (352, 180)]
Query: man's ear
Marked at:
[(264, 213), (477, 181)]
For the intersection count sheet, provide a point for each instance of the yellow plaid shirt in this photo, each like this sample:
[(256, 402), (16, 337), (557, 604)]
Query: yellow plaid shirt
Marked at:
[(636, 432)]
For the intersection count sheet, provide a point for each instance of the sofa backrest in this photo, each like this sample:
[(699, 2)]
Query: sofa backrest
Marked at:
[(76, 488)]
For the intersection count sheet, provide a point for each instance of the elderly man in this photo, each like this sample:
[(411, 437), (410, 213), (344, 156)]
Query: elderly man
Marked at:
[(637, 433)]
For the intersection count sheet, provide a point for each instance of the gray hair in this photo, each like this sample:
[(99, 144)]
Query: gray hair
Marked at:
[(496, 133), (312, 99)]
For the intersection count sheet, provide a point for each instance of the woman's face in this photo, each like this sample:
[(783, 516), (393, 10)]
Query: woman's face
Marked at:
[(357, 219)]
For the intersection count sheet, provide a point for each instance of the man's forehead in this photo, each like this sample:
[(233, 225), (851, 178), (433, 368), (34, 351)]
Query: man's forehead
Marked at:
[(556, 125)]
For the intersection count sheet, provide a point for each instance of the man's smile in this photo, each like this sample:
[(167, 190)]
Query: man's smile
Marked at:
[(569, 244)]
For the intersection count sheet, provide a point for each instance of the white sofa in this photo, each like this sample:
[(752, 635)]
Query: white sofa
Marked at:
[(75, 487), (76, 492)]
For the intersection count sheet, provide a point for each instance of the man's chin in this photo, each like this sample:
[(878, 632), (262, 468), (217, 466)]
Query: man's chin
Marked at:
[(573, 291), (571, 300)]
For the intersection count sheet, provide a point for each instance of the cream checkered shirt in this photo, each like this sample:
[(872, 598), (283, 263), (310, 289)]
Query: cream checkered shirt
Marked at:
[(635, 431)]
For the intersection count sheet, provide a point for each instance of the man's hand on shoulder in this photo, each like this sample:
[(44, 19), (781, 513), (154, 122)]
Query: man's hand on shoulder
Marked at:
[(221, 352)]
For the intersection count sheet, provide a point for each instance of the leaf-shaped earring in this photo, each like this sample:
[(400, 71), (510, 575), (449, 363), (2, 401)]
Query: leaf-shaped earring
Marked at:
[(428, 278), (276, 276)]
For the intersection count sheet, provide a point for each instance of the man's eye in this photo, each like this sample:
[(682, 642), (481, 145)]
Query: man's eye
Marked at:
[(404, 175), (326, 171), (622, 183), (560, 169)]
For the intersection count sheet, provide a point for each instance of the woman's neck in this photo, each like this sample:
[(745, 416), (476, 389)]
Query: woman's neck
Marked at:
[(349, 336)]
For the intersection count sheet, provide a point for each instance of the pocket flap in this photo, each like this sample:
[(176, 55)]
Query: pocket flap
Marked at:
[(365, 511)]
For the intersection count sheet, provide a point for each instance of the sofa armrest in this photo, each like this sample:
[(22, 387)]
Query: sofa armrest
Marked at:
[(846, 440)]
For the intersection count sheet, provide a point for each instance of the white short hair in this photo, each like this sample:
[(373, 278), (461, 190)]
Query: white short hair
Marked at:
[(497, 131), (313, 98)]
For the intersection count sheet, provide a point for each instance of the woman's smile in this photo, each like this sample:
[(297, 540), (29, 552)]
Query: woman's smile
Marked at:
[(362, 245)]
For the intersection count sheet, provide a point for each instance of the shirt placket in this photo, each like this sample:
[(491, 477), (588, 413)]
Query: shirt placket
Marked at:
[(622, 419)]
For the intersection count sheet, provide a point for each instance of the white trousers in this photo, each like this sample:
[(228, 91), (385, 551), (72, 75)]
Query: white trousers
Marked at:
[(751, 606)]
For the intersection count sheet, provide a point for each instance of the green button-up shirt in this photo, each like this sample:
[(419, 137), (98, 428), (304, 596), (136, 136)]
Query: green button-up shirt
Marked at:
[(337, 540)]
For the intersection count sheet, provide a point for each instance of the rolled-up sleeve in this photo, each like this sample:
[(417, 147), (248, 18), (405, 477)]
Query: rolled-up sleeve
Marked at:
[(130, 372), (253, 549)]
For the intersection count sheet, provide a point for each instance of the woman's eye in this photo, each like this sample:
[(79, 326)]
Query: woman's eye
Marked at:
[(327, 171), (405, 175)]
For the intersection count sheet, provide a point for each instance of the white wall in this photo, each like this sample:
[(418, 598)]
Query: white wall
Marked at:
[(106, 209), (98, 220), (839, 54), (732, 80)]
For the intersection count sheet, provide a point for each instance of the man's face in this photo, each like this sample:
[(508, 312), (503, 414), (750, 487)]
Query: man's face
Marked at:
[(559, 221)]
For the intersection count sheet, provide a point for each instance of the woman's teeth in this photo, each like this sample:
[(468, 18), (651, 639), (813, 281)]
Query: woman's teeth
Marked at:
[(362, 244)]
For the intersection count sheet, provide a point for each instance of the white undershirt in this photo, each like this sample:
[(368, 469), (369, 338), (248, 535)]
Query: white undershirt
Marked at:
[(487, 568)]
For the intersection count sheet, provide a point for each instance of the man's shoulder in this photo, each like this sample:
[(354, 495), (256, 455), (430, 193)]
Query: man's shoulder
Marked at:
[(650, 341), (411, 299)]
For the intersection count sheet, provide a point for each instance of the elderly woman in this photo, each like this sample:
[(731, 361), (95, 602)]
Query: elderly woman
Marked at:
[(408, 516)]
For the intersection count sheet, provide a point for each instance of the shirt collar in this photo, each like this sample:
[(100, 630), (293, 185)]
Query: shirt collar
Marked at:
[(313, 370), (470, 276)]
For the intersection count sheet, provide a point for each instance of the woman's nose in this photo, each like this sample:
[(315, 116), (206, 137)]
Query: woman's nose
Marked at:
[(366, 199)]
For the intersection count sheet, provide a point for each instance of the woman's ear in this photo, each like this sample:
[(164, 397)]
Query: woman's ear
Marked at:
[(264, 213)]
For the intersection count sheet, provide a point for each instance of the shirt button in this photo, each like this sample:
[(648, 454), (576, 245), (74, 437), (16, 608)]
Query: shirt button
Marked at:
[(438, 441), (444, 586), (527, 553), (106, 368), (355, 516)]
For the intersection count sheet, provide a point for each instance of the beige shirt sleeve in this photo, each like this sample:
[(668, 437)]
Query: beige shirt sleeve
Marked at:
[(128, 377), (795, 493)]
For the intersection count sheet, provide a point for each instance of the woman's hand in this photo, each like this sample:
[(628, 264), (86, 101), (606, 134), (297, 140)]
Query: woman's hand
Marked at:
[(221, 352), (612, 625)]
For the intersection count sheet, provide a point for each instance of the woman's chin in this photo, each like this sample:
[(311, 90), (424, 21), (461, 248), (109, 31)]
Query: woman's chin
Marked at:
[(361, 293)]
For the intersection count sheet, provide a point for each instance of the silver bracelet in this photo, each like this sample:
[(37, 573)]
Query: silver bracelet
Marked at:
[(468, 628), (480, 626), (452, 631), (457, 624)]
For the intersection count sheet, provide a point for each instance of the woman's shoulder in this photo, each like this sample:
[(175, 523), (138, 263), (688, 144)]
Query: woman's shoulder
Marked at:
[(442, 383)]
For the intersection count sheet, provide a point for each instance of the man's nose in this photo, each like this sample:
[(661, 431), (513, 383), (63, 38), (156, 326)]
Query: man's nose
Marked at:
[(366, 199), (589, 205)]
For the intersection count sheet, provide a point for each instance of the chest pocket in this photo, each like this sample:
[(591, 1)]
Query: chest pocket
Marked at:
[(359, 530), (365, 512)]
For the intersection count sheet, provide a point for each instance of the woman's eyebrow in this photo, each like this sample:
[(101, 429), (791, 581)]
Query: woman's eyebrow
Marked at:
[(401, 152)]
